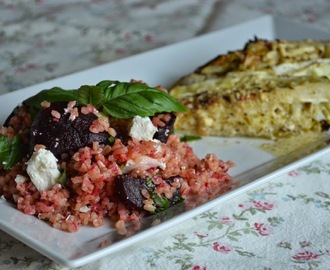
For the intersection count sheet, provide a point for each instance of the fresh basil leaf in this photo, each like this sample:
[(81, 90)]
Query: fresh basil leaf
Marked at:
[(118, 99), (51, 95), (89, 94), (126, 100), (104, 85), (129, 106), (11, 151), (4, 149), (112, 89)]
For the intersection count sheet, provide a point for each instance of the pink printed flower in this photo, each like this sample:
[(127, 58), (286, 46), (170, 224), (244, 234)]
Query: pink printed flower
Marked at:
[(263, 229), (201, 235), (120, 51), (26, 68), (263, 205), (179, 236), (305, 256), (149, 38), (222, 248), (127, 36), (226, 220), (294, 173), (327, 252), (245, 205), (197, 267)]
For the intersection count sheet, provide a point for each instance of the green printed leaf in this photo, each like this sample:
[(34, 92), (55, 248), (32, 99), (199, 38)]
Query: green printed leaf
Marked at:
[(245, 253), (232, 238), (238, 217)]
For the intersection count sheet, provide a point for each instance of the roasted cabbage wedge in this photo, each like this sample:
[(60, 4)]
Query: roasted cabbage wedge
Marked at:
[(269, 89)]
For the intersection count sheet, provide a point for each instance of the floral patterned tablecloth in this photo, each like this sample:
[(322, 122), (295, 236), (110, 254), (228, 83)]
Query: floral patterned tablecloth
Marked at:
[(283, 224)]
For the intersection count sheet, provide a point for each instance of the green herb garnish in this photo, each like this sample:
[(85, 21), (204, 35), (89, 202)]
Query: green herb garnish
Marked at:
[(189, 138), (150, 184), (111, 140), (114, 98), (161, 202), (62, 179), (11, 151)]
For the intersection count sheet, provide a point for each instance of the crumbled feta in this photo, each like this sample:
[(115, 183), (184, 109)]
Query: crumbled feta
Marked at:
[(42, 169), (158, 148), (20, 178), (145, 163), (142, 129), (84, 209)]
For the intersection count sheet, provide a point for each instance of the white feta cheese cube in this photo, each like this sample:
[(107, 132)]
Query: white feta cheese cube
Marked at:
[(42, 169), (20, 178), (142, 129)]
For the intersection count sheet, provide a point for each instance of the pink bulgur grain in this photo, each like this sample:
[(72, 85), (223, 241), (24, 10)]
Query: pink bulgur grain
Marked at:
[(55, 114)]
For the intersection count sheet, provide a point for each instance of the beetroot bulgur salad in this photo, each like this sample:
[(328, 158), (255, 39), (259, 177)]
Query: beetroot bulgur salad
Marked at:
[(107, 151)]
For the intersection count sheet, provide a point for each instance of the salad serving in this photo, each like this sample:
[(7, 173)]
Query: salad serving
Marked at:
[(104, 151)]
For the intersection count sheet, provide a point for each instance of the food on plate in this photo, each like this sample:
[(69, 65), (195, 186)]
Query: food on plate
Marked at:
[(268, 89), (108, 151)]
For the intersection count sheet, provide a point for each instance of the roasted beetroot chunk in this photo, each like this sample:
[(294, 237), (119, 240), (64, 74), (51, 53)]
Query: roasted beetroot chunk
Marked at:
[(166, 128), (60, 131), (129, 191)]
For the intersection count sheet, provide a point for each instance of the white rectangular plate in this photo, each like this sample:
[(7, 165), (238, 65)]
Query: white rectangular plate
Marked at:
[(161, 66)]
